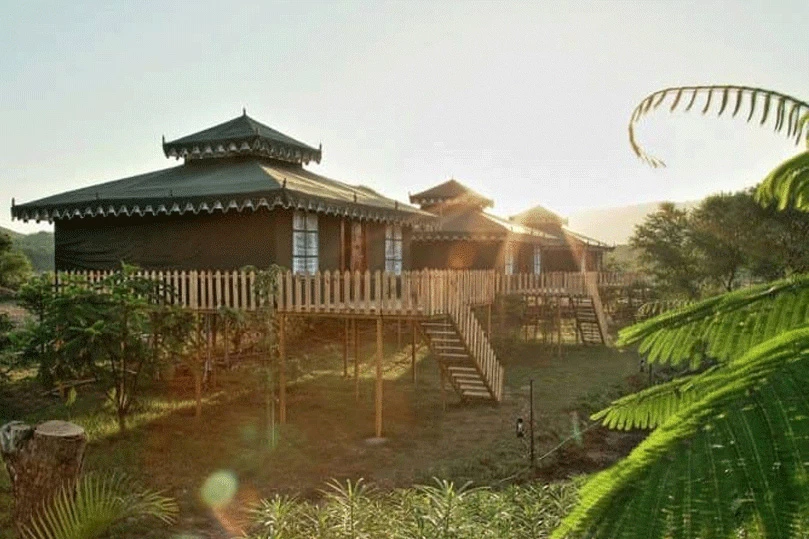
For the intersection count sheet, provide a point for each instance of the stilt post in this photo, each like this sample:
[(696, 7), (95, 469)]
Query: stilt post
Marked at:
[(378, 392), (356, 360), (282, 370)]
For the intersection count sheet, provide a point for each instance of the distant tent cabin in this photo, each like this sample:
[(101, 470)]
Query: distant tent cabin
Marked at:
[(465, 236), (241, 197)]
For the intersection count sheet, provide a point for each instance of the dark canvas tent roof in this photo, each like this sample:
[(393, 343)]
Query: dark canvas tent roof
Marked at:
[(470, 224), (232, 184), (538, 215), (451, 191), (238, 165), (241, 136)]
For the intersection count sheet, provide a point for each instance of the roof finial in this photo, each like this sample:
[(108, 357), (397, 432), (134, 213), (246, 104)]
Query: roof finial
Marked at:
[(244, 111), (12, 202)]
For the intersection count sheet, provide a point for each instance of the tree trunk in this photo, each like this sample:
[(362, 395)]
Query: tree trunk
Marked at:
[(40, 460)]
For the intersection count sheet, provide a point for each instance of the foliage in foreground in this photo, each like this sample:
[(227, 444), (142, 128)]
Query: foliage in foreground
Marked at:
[(99, 503), (730, 449), (438, 511), (115, 331)]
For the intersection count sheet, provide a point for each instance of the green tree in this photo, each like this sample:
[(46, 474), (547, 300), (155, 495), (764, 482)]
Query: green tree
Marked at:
[(15, 268), (116, 330), (668, 251), (730, 445)]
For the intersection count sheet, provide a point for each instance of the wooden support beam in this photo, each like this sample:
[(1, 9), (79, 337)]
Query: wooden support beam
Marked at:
[(559, 324), (378, 392), (356, 361), (226, 338), (398, 335), (282, 370), (413, 350), (345, 348)]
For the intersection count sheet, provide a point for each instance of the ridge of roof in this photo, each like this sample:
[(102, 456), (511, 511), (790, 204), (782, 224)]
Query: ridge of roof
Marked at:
[(450, 190), (538, 214), (242, 135)]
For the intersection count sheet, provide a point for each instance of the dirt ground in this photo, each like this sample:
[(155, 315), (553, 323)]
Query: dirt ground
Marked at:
[(328, 430)]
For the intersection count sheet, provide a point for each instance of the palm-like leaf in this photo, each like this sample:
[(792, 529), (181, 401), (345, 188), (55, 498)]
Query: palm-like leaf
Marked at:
[(787, 185), (722, 327), (789, 111), (736, 454), (98, 503)]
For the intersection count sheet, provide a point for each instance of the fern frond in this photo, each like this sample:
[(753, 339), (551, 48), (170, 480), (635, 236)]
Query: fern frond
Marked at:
[(652, 406), (99, 502), (736, 454), (772, 99), (787, 185), (716, 326)]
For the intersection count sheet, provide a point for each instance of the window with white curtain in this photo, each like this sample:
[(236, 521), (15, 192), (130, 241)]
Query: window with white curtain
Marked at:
[(509, 259), (537, 260), (304, 242), (393, 249)]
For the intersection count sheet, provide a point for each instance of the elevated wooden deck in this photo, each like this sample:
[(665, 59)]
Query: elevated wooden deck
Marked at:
[(412, 294)]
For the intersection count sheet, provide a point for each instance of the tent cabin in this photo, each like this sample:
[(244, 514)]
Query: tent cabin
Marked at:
[(241, 197), (465, 236), (574, 251)]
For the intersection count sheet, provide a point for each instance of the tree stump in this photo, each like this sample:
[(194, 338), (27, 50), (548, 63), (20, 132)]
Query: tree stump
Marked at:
[(40, 460)]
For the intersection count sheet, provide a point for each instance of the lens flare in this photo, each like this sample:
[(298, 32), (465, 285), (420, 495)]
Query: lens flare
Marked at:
[(219, 489)]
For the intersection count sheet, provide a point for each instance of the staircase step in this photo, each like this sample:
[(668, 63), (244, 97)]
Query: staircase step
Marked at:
[(476, 394), (452, 354)]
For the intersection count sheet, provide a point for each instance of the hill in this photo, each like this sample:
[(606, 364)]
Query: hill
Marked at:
[(615, 225), (38, 247)]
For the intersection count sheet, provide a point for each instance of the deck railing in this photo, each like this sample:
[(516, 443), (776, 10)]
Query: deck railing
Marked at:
[(412, 293)]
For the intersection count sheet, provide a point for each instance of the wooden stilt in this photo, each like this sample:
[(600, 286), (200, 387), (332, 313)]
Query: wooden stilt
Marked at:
[(559, 324), (209, 344), (282, 370), (378, 392), (226, 338), (398, 335), (413, 350), (356, 361), (443, 389), (345, 348)]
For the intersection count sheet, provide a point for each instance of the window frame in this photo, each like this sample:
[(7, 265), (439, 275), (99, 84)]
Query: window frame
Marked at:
[(394, 241), (305, 224)]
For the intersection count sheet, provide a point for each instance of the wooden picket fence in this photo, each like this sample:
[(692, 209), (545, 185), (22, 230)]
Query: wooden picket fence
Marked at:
[(412, 293)]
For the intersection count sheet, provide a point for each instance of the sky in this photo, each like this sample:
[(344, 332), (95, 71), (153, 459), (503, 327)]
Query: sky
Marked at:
[(525, 102)]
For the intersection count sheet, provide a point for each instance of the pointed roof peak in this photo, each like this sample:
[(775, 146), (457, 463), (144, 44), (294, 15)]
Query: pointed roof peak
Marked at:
[(538, 215), (451, 192), (241, 135)]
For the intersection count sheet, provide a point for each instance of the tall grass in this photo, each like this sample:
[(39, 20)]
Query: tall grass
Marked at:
[(438, 511)]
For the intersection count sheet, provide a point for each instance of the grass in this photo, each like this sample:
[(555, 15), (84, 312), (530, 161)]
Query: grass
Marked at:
[(167, 448)]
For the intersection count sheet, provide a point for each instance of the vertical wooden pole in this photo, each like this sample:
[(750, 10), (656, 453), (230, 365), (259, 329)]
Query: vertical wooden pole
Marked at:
[(413, 350), (343, 244), (345, 348), (443, 390), (226, 337), (398, 335), (559, 324), (378, 392), (209, 344), (282, 370), (531, 417), (489, 320), (356, 361)]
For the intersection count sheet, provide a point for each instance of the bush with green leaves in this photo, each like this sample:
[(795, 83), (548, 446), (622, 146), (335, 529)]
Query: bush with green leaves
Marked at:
[(440, 510), (729, 453), (116, 331)]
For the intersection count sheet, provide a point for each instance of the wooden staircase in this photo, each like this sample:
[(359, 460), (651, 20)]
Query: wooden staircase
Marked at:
[(588, 322), (465, 356)]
